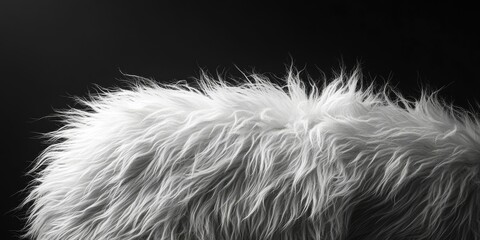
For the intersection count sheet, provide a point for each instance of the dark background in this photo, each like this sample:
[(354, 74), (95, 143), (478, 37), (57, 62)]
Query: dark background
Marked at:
[(50, 50)]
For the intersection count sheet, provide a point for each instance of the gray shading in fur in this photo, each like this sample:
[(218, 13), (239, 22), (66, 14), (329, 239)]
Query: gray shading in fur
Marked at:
[(258, 161)]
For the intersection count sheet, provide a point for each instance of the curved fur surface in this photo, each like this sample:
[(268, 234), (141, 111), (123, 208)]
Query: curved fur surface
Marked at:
[(259, 161)]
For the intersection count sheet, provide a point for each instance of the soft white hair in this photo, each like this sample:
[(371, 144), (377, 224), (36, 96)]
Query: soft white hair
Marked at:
[(259, 161)]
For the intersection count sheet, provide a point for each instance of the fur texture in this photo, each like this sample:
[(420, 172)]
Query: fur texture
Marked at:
[(259, 161)]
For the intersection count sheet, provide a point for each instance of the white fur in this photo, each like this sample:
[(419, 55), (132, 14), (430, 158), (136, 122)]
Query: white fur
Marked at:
[(258, 161)]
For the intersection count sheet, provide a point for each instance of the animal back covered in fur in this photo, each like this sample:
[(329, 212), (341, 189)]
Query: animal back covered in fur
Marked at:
[(258, 160)]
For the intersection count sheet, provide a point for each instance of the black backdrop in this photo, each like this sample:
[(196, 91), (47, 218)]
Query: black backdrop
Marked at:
[(50, 50)]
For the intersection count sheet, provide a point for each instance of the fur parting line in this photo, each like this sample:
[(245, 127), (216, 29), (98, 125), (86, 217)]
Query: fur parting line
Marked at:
[(258, 160)]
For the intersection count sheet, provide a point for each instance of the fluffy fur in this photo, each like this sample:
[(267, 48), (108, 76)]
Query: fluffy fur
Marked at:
[(259, 161)]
